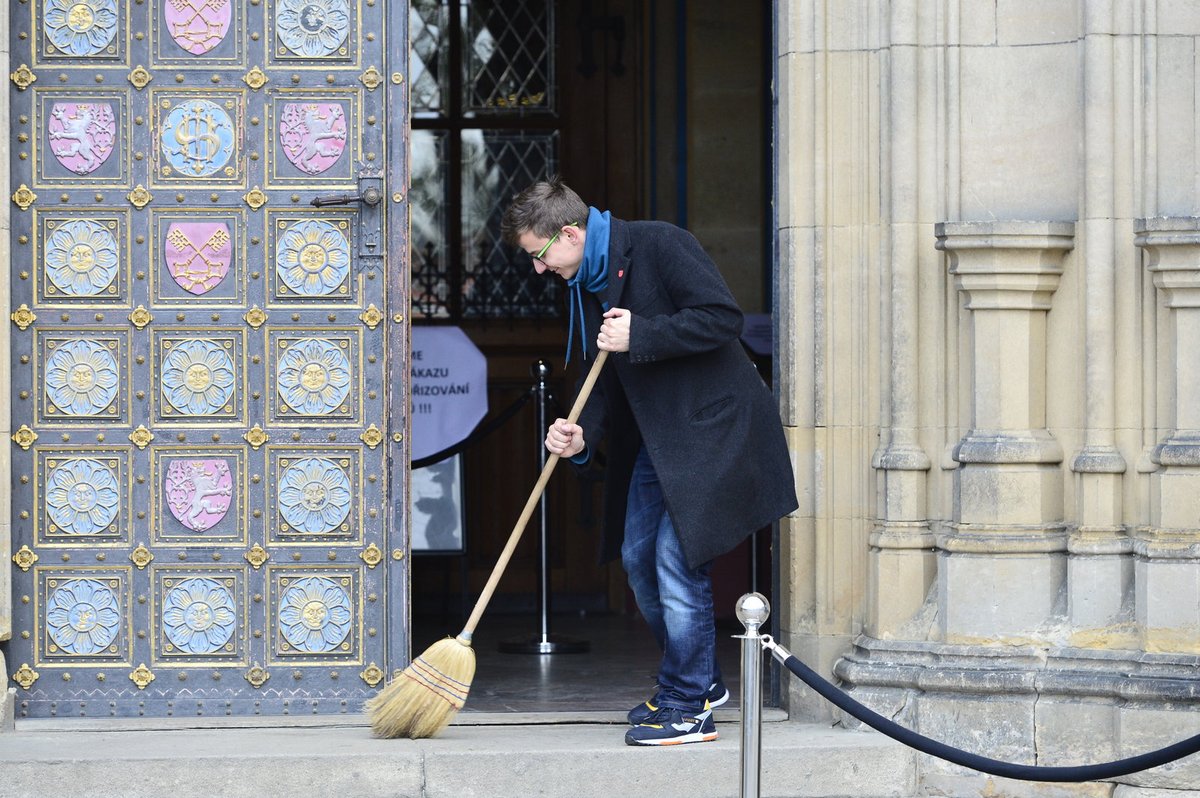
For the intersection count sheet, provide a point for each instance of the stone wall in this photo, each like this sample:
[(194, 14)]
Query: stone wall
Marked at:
[(988, 295)]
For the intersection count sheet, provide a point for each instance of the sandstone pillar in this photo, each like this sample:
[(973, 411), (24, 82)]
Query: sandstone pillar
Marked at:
[(1167, 578), (1002, 560)]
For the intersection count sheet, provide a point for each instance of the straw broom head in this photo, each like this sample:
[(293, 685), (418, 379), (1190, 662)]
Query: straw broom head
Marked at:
[(426, 695), (424, 698)]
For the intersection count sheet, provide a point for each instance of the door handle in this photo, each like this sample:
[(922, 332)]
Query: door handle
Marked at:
[(370, 196)]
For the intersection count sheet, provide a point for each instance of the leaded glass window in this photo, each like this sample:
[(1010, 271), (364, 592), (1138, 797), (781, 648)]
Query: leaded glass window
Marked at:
[(484, 127)]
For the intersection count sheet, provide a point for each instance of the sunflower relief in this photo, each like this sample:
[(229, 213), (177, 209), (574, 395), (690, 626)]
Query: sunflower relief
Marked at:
[(80, 27), (198, 377), (199, 616), (198, 25), (312, 258), (314, 614), (314, 495), (81, 258), (82, 135), (82, 496), (81, 378), (313, 376), (83, 616), (313, 28)]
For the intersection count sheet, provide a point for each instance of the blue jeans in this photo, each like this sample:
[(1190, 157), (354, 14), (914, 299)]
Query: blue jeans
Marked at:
[(675, 600)]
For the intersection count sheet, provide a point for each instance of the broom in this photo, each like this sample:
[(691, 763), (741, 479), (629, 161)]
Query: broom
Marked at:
[(426, 695)]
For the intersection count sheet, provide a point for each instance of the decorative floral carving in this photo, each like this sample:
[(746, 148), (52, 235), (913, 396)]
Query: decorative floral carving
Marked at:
[(81, 378), (313, 28), (199, 615), (312, 258), (80, 27), (314, 614), (83, 616), (81, 257), (314, 495), (198, 377), (313, 376), (82, 496)]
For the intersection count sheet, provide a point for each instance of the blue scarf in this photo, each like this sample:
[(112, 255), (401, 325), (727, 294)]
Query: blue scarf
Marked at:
[(592, 274)]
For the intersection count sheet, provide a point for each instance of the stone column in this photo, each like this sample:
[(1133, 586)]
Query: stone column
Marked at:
[(1002, 561), (901, 564), (1166, 576), (1098, 570)]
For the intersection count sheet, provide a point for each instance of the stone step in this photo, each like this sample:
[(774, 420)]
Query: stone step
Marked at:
[(473, 757)]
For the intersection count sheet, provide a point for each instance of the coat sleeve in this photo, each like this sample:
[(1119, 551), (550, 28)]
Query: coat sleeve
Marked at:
[(703, 314)]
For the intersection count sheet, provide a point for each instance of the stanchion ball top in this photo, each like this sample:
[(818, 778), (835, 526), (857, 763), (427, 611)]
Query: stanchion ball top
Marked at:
[(753, 609)]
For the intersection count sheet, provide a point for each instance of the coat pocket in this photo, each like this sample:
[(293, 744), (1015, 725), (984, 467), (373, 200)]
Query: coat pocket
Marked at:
[(712, 410)]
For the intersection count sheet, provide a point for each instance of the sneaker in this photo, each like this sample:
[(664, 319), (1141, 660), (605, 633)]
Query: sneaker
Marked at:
[(670, 726), (717, 695)]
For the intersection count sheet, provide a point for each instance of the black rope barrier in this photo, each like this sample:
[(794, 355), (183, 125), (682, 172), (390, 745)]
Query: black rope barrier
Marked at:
[(479, 434), (1075, 773)]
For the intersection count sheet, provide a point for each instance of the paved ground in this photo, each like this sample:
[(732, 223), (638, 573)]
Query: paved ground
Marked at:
[(152, 759)]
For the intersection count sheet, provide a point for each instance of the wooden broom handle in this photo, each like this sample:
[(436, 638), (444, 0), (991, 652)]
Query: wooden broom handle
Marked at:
[(515, 537)]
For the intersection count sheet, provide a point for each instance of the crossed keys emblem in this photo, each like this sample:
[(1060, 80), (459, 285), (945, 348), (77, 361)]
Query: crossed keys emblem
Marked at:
[(198, 26), (198, 268)]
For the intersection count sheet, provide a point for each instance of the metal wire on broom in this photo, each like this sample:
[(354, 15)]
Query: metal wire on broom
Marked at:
[(425, 696)]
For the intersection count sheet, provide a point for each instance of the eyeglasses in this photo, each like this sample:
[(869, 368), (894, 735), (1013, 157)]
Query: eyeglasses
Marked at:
[(553, 238)]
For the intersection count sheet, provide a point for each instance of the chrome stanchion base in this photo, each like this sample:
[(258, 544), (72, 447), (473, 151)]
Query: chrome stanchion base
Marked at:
[(544, 644)]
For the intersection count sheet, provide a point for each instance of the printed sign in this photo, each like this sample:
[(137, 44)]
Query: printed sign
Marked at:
[(449, 388)]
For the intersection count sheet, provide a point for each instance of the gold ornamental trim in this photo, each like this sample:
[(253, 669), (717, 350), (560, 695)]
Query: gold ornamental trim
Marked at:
[(371, 316), (140, 317), (23, 317), (256, 317), (141, 436), (256, 556), (255, 198), (24, 558), (371, 555), (372, 437), (24, 197), (255, 78), (24, 437), (140, 77), (140, 197), (372, 675), (256, 437), (257, 676), (23, 77), (141, 557), (25, 676), (141, 676), (371, 78)]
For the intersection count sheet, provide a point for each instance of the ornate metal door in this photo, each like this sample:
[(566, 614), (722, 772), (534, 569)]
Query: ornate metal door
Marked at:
[(208, 371)]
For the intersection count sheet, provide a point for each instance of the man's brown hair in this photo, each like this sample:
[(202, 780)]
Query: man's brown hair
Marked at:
[(543, 208)]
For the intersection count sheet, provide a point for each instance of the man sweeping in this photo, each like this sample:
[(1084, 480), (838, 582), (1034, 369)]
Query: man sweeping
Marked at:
[(696, 458)]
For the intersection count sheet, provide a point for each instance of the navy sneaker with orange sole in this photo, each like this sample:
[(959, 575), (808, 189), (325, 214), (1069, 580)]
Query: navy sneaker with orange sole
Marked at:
[(670, 726), (717, 695)]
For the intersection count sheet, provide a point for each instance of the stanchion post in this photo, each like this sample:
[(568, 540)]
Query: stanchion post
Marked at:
[(753, 609), (544, 642)]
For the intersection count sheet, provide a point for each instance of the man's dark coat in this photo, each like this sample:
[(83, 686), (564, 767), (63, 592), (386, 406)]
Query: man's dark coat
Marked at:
[(687, 388)]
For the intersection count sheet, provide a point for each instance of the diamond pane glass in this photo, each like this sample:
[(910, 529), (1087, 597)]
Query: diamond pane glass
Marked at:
[(428, 45), (428, 201), (509, 49), (498, 281)]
